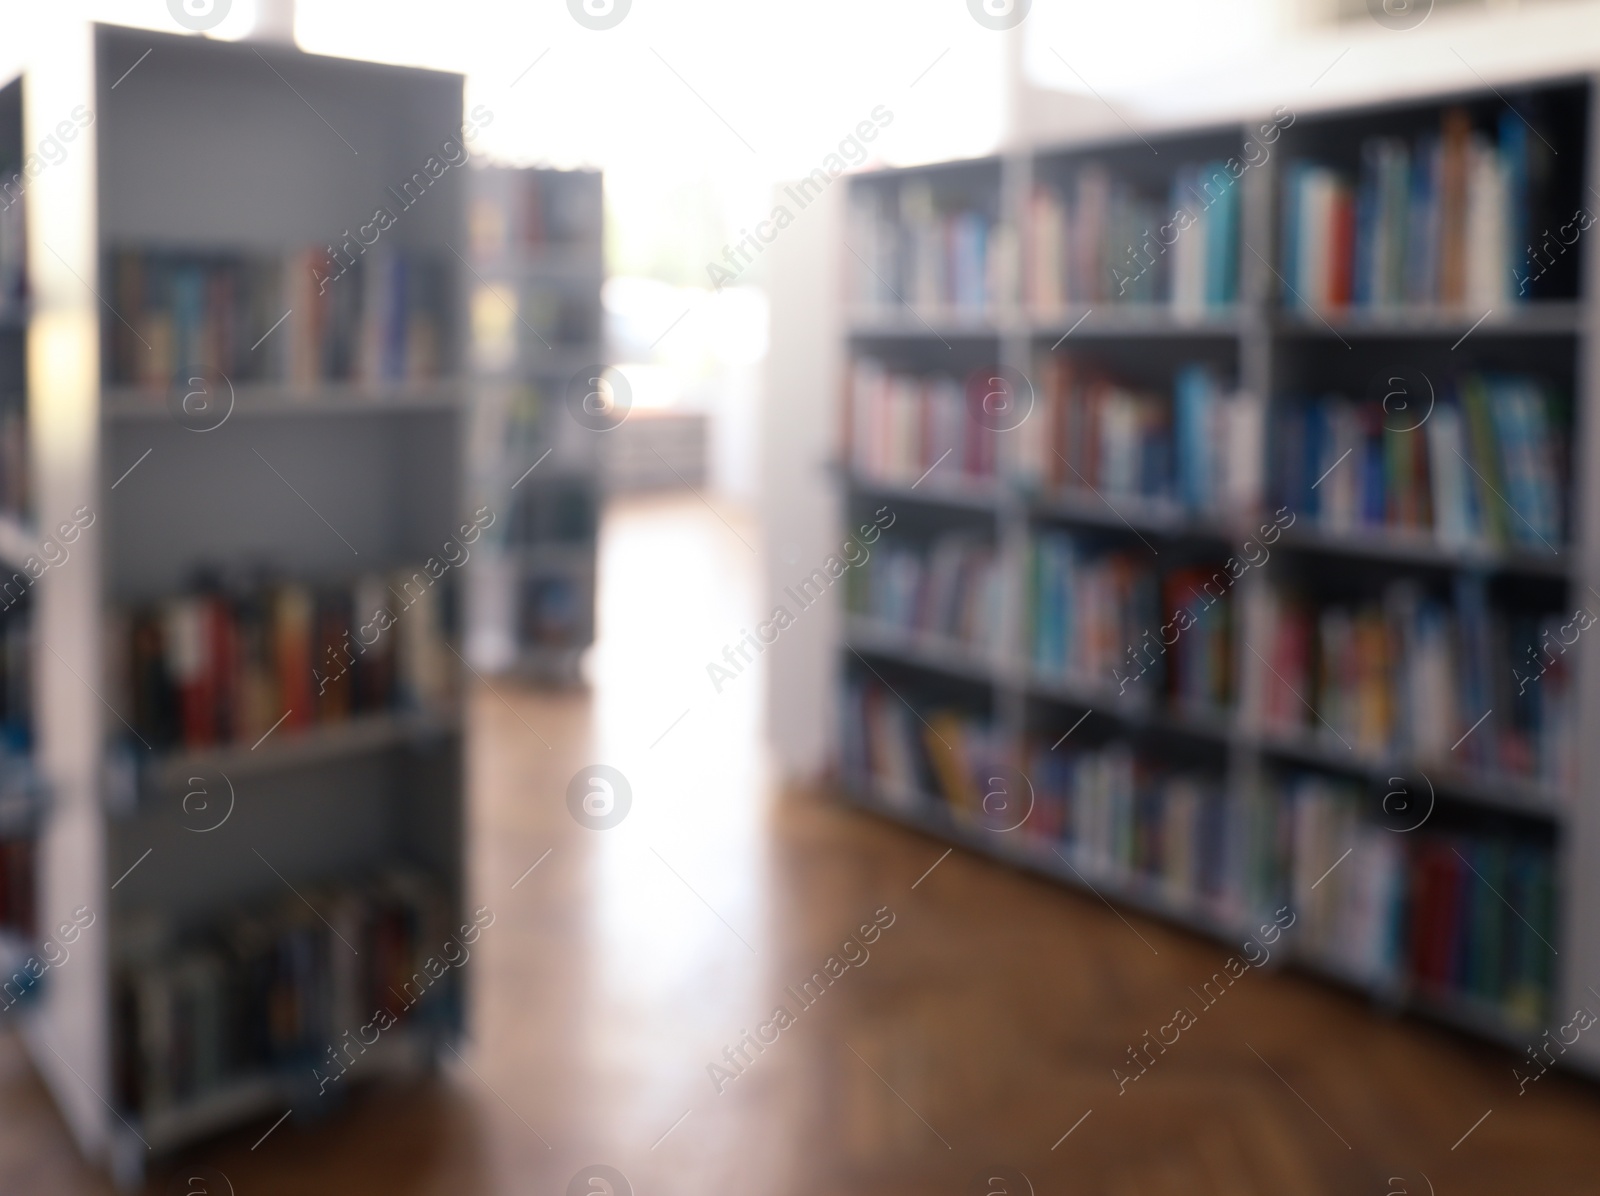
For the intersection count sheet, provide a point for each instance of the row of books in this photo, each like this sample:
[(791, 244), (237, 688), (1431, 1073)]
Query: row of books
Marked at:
[(1468, 914), (377, 319), (228, 664), (1480, 465), (1444, 680), (1419, 907), (1441, 220), (909, 248), (535, 209), (949, 588), (274, 989), (1108, 618), (904, 425), (16, 684), (1199, 447), (1100, 240), (17, 886)]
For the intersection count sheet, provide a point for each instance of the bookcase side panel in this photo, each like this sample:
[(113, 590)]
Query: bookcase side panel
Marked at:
[(1580, 940), (69, 1032)]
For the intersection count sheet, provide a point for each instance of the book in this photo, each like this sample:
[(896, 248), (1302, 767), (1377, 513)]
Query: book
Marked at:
[(1409, 674), (1438, 221), (1474, 463), (276, 987), (228, 663), (373, 319)]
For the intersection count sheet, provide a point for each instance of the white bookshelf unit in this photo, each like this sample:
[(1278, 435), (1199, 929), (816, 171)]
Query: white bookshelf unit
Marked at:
[(256, 462), (987, 641)]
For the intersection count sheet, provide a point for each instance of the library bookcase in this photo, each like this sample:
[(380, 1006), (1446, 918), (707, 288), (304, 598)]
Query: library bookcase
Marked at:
[(245, 404), (21, 793), (1222, 533), (538, 266)]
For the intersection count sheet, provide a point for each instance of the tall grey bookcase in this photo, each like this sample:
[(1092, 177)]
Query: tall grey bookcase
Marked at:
[(964, 717), (279, 458)]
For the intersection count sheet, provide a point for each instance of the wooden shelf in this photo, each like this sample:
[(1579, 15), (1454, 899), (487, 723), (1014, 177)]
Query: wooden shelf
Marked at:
[(284, 751), (257, 399), (911, 322), (973, 496), (1513, 319), (925, 651), (1134, 320), (1378, 544), (1510, 794)]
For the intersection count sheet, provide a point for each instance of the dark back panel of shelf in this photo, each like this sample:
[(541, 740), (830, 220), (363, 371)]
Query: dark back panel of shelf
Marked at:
[(1150, 361), (1146, 164), (329, 823), (1322, 365), (389, 484), (224, 144), (970, 183), (10, 129)]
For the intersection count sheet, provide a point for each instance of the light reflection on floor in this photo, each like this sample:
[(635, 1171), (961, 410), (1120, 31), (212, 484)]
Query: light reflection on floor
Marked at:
[(675, 897)]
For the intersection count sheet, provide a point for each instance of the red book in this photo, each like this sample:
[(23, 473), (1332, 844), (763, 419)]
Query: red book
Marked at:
[(1342, 247), (291, 644), (222, 661)]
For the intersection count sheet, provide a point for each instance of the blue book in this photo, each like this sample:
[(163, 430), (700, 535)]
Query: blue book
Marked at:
[(1514, 157)]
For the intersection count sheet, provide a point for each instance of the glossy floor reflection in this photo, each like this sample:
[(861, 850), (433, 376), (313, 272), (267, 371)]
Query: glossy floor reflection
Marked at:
[(975, 1031)]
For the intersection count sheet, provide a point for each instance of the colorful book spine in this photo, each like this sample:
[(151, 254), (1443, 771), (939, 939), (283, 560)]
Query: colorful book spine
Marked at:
[(906, 428), (1097, 239), (1441, 221), (376, 319), (229, 665), (1409, 674), (1477, 463), (948, 589), (280, 989), (926, 250)]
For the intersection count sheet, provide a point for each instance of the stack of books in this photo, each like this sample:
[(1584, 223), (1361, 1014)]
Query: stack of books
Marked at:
[(16, 681), (948, 589), (1199, 449), (546, 209), (376, 320), (278, 989), (1117, 815), (1481, 464), (1441, 221), (227, 664), (1108, 619), (905, 425), (1453, 913), (912, 248), (908, 757), (1348, 879), (1413, 675), (1100, 240), (1383, 907), (1480, 921)]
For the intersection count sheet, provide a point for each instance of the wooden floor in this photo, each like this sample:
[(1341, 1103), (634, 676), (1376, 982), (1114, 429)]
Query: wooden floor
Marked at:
[(980, 1033)]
